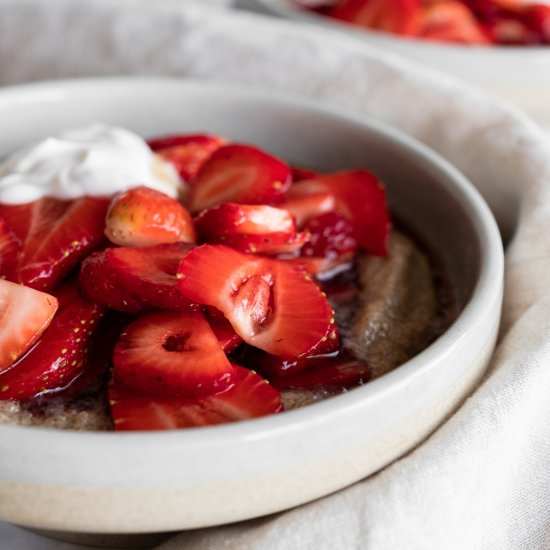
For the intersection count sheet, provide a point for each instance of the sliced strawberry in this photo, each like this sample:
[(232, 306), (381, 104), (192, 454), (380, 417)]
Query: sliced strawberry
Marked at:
[(60, 355), (187, 153), (227, 337), (10, 247), (274, 245), (100, 283), (95, 374), (249, 396), (338, 373), (24, 315), (323, 269), (55, 235), (135, 279), (397, 16), (249, 228), (239, 173), (166, 353), (299, 174), (450, 21), (305, 207), (331, 237), (143, 216), (270, 304), (360, 197)]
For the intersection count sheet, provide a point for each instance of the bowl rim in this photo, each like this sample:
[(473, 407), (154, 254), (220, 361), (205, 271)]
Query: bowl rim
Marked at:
[(488, 284), (286, 9)]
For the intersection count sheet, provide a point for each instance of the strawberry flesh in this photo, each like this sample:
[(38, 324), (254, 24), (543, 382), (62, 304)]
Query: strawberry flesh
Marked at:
[(25, 314), (135, 279), (242, 174), (305, 207), (143, 216), (248, 396), (331, 237), (228, 339), (361, 198), (187, 153), (60, 355), (271, 304), (10, 247), (168, 353), (55, 235), (249, 228), (337, 373)]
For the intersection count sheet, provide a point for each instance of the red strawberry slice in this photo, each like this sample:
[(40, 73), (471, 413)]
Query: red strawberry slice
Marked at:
[(9, 250), (60, 355), (299, 174), (331, 237), (228, 339), (323, 269), (331, 373), (187, 153), (360, 197), (143, 216), (95, 374), (450, 21), (305, 207), (135, 279), (249, 228), (398, 16), (166, 353), (55, 236), (101, 284), (249, 396), (24, 315), (239, 173), (270, 304)]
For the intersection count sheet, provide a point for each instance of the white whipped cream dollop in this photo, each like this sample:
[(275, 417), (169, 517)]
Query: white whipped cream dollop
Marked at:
[(97, 160)]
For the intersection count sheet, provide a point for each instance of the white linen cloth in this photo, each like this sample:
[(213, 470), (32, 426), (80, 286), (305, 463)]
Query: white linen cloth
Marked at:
[(481, 481)]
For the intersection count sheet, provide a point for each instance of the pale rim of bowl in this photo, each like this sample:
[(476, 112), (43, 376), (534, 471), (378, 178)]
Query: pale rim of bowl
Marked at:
[(489, 280)]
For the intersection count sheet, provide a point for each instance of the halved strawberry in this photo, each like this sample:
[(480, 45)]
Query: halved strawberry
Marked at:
[(187, 153), (166, 353), (305, 207), (271, 304), (143, 216), (360, 197), (249, 228), (24, 315), (10, 246), (135, 279), (60, 355), (249, 396), (55, 236), (239, 173), (398, 16)]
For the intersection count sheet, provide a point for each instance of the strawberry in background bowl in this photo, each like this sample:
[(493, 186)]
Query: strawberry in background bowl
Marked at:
[(499, 45), (161, 480)]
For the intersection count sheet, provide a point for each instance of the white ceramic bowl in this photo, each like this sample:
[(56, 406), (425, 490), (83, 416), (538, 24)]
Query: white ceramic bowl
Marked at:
[(518, 74), (162, 481)]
